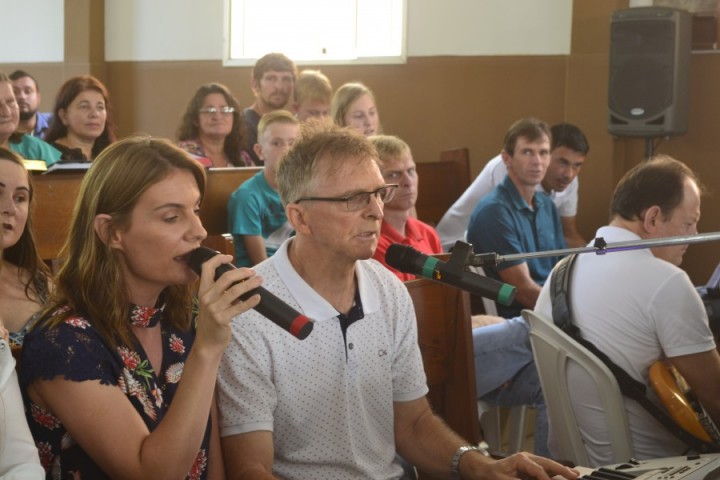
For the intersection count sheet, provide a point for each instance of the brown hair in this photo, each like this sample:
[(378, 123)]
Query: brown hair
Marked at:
[(24, 253), (189, 127), (658, 181), (346, 96), (65, 96), (532, 129), (273, 61)]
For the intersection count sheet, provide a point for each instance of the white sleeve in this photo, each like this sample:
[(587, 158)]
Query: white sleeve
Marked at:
[(454, 223), (680, 318), (567, 201), (18, 455)]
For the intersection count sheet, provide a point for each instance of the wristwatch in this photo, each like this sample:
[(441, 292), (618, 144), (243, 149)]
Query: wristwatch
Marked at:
[(455, 463)]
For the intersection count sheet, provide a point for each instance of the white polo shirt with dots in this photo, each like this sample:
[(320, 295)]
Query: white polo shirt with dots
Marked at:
[(328, 401)]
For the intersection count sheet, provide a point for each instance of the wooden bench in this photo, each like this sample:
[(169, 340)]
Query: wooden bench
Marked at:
[(445, 339), (55, 195), (441, 183)]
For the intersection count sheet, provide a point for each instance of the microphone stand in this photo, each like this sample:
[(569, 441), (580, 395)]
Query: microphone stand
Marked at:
[(462, 252)]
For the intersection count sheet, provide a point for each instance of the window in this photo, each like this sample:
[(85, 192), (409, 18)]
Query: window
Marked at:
[(315, 31)]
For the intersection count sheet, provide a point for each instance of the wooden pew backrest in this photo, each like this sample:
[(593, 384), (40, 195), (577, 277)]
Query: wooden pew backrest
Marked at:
[(441, 183), (55, 195), (445, 339), (221, 183)]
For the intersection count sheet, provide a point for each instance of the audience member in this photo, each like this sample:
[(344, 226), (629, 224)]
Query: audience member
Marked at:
[(212, 129), (28, 146), (256, 217), (504, 368), (102, 368), (82, 124), (398, 225), (353, 105), (27, 95), (312, 94), (569, 147), (23, 274), (273, 78), (340, 403), (19, 457), (515, 218), (638, 307)]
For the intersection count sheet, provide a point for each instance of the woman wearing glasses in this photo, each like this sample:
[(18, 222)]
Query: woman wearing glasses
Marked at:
[(81, 125), (212, 129)]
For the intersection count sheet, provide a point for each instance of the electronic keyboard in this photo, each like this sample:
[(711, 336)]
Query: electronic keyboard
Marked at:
[(691, 467)]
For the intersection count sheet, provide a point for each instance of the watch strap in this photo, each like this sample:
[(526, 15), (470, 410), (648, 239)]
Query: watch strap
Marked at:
[(455, 462)]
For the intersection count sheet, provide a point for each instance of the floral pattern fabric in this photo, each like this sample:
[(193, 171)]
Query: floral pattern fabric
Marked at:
[(195, 148), (76, 351)]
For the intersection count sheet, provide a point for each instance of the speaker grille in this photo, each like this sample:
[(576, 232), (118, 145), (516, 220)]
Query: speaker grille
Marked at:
[(641, 73), (648, 74)]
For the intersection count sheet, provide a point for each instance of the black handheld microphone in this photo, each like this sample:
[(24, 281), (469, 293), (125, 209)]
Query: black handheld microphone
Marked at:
[(282, 314), (408, 260)]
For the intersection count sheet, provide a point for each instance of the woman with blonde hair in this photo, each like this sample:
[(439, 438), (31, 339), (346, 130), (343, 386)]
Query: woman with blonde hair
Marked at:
[(353, 105), (119, 372)]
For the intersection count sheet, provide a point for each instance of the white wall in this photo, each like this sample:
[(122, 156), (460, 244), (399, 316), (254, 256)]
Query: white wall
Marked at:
[(142, 30), (489, 27), (32, 31), (156, 30), (138, 30)]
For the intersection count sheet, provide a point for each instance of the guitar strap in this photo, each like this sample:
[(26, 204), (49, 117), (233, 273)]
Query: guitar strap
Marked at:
[(631, 388)]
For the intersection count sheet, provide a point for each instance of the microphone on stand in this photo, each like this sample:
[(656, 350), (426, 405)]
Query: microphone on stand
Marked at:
[(408, 260)]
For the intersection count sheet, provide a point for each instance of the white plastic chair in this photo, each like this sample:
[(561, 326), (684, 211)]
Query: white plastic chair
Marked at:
[(554, 351)]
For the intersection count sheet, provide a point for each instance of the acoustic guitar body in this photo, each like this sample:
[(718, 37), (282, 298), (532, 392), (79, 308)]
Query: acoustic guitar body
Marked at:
[(681, 403)]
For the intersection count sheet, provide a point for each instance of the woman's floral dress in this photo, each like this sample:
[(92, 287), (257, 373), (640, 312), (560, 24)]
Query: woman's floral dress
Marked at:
[(75, 351)]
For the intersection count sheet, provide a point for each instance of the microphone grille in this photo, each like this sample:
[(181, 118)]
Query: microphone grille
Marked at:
[(401, 257), (199, 256)]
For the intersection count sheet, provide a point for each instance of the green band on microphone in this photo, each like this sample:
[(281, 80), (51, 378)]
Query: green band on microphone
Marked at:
[(506, 294), (428, 268)]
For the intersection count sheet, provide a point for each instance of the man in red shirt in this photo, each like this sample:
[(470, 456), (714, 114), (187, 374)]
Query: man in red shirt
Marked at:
[(398, 225)]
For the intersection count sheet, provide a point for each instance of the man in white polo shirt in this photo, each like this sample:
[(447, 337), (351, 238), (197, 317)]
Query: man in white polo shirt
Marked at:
[(569, 147), (342, 402)]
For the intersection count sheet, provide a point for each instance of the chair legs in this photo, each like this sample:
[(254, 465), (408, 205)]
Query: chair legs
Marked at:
[(491, 424)]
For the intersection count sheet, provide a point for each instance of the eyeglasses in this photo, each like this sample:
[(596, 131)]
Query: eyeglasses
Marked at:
[(357, 201), (213, 110)]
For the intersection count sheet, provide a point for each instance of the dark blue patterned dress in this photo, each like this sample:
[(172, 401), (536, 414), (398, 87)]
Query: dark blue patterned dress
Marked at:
[(75, 351)]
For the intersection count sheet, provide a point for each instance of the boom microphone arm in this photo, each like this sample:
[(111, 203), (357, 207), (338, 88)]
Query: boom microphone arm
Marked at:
[(599, 247)]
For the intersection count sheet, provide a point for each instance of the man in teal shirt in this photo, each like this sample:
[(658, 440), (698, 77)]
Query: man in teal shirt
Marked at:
[(514, 218)]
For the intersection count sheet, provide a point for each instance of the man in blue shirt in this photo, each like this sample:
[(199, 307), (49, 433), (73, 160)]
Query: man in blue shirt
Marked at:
[(27, 94), (514, 218)]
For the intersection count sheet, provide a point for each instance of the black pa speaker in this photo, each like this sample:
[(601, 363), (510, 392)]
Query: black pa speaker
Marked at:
[(649, 71)]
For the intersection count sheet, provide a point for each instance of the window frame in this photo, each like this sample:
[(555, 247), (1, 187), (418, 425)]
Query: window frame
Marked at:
[(228, 61)]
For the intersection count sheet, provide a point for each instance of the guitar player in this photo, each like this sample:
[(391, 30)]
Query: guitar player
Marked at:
[(639, 307)]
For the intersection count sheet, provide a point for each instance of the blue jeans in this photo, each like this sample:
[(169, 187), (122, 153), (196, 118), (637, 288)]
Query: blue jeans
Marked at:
[(505, 372)]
